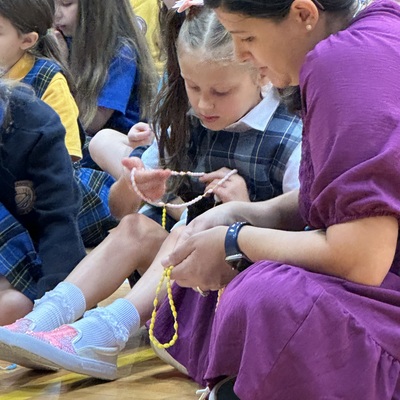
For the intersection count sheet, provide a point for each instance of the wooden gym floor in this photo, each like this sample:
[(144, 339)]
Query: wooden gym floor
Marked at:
[(143, 377)]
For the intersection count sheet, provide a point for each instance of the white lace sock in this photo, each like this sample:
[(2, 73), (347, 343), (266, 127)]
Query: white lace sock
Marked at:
[(62, 305), (109, 326)]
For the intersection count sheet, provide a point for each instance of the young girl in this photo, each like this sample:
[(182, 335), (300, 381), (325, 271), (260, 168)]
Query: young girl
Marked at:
[(114, 74), (39, 202), (30, 53), (230, 125), (34, 58)]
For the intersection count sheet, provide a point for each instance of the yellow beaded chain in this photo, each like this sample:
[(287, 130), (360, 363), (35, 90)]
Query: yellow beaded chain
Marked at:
[(166, 276)]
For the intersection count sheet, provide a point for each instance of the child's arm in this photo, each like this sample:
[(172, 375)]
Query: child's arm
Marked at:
[(102, 116), (115, 95)]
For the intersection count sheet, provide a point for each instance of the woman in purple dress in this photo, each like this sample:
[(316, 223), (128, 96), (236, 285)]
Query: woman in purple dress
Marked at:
[(317, 316)]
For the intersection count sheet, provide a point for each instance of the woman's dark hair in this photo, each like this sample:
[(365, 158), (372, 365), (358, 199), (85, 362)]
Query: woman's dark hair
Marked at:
[(277, 9)]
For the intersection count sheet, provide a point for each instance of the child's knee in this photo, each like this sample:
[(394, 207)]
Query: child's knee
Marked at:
[(137, 226), (99, 140), (13, 305)]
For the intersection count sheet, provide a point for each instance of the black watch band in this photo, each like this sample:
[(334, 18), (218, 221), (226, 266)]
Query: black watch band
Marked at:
[(233, 255)]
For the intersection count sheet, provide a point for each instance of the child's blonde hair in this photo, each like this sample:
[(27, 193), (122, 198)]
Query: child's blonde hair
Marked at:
[(201, 33), (102, 28)]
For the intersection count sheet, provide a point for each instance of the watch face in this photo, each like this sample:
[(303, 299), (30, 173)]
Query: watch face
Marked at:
[(238, 261)]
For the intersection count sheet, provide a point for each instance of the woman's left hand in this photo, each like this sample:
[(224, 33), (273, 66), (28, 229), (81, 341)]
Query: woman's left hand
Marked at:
[(234, 188), (199, 261)]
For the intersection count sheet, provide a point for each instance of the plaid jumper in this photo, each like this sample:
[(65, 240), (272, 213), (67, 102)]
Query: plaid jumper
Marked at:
[(259, 156), (94, 219)]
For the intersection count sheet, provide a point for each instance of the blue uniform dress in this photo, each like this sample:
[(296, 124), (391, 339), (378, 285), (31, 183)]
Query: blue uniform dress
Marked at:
[(40, 200), (121, 91)]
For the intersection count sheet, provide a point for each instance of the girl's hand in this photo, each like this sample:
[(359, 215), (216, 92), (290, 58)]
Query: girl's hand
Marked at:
[(234, 188), (140, 135), (62, 44), (200, 261), (151, 183)]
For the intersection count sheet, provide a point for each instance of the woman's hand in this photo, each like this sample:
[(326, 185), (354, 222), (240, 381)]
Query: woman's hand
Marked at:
[(151, 183), (234, 188), (140, 135), (200, 261)]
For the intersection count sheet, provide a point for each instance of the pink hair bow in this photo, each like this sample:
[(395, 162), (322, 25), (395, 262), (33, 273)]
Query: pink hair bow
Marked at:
[(183, 5)]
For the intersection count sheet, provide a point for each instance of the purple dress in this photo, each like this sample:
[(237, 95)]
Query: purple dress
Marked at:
[(288, 333)]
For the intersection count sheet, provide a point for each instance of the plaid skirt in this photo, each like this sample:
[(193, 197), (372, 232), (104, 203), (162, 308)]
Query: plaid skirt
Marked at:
[(94, 219), (20, 263)]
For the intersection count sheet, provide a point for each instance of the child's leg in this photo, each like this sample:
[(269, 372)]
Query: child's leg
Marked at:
[(20, 267), (107, 148), (143, 293), (13, 303), (132, 245), (91, 345)]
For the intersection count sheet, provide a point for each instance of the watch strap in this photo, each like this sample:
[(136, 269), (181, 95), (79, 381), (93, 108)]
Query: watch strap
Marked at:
[(231, 238)]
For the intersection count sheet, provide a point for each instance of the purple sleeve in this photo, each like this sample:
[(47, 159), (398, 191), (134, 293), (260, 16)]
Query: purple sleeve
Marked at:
[(351, 144)]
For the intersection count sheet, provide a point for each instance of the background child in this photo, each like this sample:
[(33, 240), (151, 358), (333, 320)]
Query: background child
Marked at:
[(239, 129), (110, 62), (39, 202), (30, 54), (145, 10)]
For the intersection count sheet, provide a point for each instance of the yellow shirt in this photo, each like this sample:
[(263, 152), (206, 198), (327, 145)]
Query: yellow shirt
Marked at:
[(148, 10), (59, 98)]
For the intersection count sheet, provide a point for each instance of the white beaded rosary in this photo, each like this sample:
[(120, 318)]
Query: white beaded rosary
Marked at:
[(180, 173), (167, 271)]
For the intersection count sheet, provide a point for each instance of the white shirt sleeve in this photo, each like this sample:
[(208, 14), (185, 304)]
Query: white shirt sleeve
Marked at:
[(150, 156), (291, 176)]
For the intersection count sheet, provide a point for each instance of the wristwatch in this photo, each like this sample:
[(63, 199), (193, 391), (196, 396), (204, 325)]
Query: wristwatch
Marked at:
[(233, 255)]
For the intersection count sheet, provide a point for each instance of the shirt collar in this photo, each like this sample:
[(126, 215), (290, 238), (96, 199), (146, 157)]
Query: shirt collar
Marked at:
[(21, 68), (258, 117)]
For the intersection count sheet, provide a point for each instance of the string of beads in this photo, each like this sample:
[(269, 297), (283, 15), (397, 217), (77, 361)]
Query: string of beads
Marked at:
[(166, 276)]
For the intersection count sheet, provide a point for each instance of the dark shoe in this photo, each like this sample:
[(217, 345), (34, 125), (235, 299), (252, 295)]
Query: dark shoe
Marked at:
[(224, 390)]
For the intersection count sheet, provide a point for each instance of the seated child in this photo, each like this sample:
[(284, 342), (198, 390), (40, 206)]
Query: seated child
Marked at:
[(40, 242)]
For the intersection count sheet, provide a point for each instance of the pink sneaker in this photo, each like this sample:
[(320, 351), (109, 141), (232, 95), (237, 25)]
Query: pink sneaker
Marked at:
[(22, 325), (57, 349), (13, 333)]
